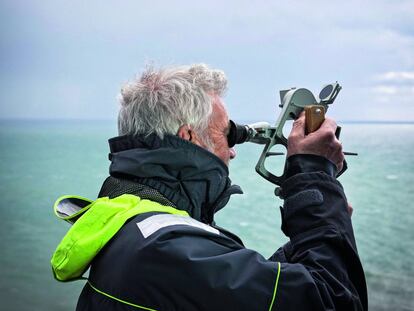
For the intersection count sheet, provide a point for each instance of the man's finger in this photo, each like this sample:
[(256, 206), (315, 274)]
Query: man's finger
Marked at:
[(350, 209), (339, 166), (329, 125), (298, 128)]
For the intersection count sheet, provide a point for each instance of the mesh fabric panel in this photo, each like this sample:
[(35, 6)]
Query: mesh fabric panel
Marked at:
[(114, 187)]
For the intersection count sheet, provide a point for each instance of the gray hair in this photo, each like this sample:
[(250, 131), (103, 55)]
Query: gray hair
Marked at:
[(160, 101)]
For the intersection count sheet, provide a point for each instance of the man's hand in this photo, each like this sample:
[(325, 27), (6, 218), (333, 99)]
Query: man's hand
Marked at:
[(322, 142), (350, 209)]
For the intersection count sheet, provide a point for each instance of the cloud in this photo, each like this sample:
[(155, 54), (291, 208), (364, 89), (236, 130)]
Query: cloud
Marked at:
[(396, 76), (384, 90), (394, 87), (401, 93)]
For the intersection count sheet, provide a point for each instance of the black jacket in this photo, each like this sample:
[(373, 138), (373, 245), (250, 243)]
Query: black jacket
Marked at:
[(190, 264)]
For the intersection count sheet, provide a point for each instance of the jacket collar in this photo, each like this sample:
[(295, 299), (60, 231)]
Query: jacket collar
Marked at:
[(192, 178)]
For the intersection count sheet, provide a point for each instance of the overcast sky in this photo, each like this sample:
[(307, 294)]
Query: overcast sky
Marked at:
[(69, 59)]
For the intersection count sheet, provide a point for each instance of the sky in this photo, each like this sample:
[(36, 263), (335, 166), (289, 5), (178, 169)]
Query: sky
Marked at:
[(69, 59)]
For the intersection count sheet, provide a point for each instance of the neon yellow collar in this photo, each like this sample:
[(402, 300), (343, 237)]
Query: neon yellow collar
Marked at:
[(94, 225)]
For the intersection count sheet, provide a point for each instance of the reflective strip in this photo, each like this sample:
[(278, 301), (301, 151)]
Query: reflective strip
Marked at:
[(119, 300), (154, 223), (68, 207), (277, 281)]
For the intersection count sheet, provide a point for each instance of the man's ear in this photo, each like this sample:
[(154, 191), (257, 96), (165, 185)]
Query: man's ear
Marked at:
[(185, 132)]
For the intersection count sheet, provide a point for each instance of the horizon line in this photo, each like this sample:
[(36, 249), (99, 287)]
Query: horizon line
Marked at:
[(22, 119)]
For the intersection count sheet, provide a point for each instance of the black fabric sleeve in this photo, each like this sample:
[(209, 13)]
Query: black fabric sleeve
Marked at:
[(320, 267), (308, 163)]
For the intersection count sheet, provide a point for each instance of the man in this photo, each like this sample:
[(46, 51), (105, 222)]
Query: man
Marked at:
[(150, 239)]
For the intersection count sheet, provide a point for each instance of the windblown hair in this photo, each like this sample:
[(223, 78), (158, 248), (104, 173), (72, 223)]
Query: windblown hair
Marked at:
[(160, 101)]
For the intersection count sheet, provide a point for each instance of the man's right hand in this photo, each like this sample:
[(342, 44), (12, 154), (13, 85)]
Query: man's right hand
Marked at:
[(322, 142)]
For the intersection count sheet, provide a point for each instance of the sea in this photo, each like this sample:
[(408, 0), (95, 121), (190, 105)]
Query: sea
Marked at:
[(43, 159)]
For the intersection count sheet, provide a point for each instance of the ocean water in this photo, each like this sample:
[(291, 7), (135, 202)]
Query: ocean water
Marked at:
[(41, 160)]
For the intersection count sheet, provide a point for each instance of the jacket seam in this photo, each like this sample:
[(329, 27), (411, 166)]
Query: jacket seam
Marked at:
[(118, 299), (276, 284)]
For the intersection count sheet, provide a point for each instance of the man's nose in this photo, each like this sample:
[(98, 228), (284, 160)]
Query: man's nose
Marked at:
[(232, 153)]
